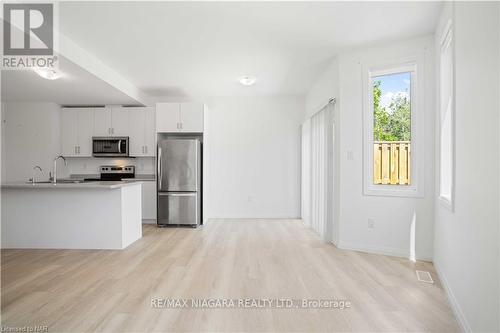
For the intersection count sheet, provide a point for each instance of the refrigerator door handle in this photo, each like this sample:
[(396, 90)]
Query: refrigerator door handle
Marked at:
[(197, 172), (160, 176), (189, 194)]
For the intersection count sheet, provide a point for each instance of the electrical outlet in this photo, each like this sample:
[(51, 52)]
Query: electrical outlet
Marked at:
[(371, 223), (350, 155), (250, 199)]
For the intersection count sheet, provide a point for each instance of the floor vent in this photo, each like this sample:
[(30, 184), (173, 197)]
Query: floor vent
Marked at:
[(424, 276)]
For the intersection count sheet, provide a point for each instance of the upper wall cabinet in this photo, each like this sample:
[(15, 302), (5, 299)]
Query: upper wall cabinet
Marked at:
[(77, 126), (102, 122), (191, 117), (179, 117), (111, 121), (120, 121), (142, 131), (167, 117)]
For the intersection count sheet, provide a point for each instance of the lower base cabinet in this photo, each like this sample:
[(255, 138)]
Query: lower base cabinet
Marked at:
[(149, 201)]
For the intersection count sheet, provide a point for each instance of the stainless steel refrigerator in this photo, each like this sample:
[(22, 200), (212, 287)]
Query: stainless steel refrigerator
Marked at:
[(179, 181)]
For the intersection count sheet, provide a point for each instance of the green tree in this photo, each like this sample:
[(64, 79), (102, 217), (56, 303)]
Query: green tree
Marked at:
[(392, 123), (400, 120)]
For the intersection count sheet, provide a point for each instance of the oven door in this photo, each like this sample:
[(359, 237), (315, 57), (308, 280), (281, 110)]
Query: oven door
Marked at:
[(110, 146)]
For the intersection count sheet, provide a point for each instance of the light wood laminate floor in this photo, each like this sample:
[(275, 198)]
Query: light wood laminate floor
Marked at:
[(111, 291)]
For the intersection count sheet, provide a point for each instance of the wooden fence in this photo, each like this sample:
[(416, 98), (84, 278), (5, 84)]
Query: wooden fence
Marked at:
[(392, 162)]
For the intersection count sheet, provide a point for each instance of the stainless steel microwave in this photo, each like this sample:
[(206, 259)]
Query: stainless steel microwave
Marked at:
[(110, 146)]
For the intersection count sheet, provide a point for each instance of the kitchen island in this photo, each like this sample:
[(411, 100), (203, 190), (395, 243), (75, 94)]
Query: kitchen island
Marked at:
[(85, 215)]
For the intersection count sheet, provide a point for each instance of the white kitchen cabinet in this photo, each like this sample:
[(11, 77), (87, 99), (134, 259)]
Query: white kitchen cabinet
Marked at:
[(102, 122), (111, 121), (85, 132), (191, 117), (167, 117), (149, 132), (142, 131), (69, 137), (149, 200), (136, 133), (77, 126), (120, 121), (179, 117)]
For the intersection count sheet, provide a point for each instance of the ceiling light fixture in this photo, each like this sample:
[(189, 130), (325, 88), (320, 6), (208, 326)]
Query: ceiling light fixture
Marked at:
[(48, 73), (247, 80)]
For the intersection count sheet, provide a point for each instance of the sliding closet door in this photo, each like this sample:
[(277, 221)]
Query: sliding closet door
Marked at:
[(321, 164), (306, 173)]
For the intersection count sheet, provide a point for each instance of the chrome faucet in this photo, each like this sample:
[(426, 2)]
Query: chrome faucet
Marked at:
[(53, 178), (36, 167)]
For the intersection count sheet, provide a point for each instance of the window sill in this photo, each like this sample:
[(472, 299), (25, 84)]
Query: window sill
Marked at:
[(403, 191)]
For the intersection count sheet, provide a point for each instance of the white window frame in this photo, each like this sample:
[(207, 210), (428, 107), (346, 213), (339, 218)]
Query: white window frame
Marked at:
[(415, 65), (447, 41)]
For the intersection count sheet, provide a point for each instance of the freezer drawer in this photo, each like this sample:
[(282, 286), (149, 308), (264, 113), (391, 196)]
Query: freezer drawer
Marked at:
[(178, 208)]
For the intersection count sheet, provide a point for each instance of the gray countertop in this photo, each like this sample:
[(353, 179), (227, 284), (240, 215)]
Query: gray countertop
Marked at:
[(142, 178), (84, 186)]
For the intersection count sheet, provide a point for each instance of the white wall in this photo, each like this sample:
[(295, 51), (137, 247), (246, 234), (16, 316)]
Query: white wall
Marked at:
[(466, 245), (254, 156), (30, 137), (393, 215), (325, 87)]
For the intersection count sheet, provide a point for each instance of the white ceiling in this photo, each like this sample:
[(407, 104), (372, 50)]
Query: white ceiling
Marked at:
[(75, 87), (192, 48)]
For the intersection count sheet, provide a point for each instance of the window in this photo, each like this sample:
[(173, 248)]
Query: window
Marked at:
[(446, 169), (391, 129)]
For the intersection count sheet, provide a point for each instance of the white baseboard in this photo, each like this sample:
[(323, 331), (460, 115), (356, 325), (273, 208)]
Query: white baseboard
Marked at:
[(388, 251), (244, 218), (462, 321)]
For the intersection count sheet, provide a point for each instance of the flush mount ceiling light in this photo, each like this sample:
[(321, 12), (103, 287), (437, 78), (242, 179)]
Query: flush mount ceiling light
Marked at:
[(48, 73), (247, 80)]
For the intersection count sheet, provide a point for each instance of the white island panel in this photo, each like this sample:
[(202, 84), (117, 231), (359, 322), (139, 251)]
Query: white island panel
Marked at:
[(131, 213), (71, 217)]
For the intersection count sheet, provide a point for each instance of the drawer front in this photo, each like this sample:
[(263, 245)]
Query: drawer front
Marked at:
[(178, 208)]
